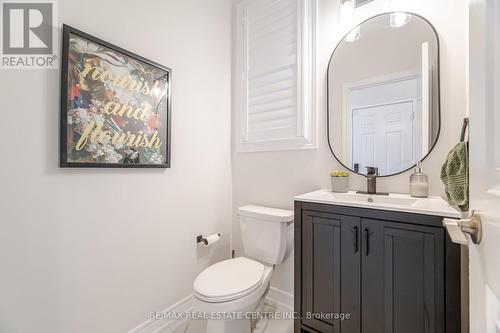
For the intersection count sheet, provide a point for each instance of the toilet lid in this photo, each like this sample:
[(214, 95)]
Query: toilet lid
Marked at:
[(229, 280)]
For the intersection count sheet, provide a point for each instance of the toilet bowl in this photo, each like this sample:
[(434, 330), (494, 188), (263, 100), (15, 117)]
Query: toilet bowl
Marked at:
[(229, 292)]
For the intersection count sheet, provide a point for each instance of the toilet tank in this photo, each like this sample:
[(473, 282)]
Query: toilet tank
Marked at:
[(264, 232)]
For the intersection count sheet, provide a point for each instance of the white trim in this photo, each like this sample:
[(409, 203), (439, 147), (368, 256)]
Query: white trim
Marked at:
[(275, 145), (383, 79), (168, 325), (280, 299), (425, 93), (306, 83), (307, 86)]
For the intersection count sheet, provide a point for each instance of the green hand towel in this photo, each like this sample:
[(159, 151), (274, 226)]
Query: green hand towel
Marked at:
[(455, 176)]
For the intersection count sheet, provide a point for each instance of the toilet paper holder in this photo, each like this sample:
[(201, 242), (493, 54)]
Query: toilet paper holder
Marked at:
[(201, 239), (471, 226)]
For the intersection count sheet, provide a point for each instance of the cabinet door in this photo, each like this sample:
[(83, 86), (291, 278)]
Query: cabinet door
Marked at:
[(330, 272), (402, 278)]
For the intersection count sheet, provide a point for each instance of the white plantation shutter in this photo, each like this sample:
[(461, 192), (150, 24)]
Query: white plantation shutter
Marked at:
[(275, 73)]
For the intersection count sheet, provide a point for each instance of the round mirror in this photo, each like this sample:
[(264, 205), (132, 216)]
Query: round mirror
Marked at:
[(383, 94)]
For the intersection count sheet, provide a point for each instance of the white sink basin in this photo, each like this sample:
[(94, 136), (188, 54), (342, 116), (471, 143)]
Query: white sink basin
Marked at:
[(393, 202), (374, 199)]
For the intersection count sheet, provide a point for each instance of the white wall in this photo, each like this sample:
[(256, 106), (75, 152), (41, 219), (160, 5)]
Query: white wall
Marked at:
[(97, 250), (273, 178)]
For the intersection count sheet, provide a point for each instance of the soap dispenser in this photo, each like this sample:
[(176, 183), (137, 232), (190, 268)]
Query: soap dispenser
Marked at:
[(419, 183)]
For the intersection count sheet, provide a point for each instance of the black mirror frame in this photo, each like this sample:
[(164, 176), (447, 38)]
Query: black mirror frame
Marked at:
[(438, 92)]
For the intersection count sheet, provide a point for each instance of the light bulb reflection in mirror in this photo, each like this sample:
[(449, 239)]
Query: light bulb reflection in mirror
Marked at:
[(354, 34), (399, 20)]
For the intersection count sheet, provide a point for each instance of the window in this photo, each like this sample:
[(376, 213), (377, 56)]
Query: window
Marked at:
[(275, 75)]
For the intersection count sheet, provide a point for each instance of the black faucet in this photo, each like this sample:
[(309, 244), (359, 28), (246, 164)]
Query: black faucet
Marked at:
[(371, 180)]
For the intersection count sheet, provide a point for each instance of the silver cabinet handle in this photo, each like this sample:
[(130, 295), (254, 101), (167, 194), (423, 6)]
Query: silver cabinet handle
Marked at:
[(471, 226)]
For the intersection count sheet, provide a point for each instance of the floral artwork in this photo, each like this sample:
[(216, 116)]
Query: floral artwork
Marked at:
[(115, 106)]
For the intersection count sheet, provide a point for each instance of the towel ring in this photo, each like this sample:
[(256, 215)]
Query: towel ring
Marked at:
[(464, 129)]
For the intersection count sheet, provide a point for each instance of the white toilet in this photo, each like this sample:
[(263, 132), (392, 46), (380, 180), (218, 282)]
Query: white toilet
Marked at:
[(229, 290)]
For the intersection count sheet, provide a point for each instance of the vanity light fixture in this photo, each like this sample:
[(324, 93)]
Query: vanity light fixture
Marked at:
[(353, 35), (400, 19), (347, 8), (355, 3), (360, 3)]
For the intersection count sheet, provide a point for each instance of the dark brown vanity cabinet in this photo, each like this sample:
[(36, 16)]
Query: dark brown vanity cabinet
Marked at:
[(379, 271)]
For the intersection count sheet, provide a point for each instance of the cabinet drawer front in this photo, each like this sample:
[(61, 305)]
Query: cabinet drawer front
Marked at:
[(402, 280)]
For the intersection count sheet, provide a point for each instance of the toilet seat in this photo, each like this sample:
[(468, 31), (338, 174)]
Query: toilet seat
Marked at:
[(229, 280)]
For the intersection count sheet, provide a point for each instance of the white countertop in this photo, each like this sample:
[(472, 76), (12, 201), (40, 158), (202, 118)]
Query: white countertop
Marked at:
[(433, 205)]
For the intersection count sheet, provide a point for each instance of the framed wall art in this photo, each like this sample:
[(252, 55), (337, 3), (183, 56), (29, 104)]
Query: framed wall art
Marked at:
[(115, 106)]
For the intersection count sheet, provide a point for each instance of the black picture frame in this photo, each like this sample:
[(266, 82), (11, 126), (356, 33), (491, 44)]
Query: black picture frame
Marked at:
[(68, 31)]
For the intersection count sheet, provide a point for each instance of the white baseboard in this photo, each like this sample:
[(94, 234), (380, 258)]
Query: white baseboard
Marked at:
[(280, 299), (166, 325)]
